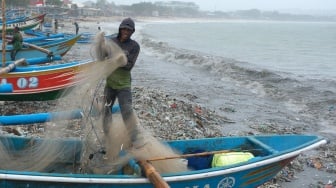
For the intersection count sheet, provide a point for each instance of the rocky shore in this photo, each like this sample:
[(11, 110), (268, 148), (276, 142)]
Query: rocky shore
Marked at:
[(171, 115), (168, 118)]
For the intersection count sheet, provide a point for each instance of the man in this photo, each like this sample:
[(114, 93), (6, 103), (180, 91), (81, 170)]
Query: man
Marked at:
[(76, 27), (118, 83), (16, 42), (56, 25)]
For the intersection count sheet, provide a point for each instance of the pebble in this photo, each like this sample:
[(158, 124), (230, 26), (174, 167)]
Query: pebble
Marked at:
[(171, 119), (184, 120)]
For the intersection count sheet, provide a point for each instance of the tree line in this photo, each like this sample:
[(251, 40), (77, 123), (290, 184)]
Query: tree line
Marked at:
[(25, 3)]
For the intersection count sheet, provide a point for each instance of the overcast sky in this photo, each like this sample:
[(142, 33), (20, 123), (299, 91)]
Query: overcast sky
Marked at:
[(227, 5)]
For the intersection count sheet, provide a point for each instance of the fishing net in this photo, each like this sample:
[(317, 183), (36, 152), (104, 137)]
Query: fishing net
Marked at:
[(92, 150)]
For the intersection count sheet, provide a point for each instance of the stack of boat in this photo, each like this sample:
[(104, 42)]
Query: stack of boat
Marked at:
[(85, 37), (24, 22), (33, 82)]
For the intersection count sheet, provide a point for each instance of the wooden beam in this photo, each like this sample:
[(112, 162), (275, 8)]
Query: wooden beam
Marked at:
[(3, 5)]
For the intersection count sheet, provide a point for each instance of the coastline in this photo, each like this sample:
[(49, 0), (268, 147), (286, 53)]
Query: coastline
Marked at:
[(147, 78), (305, 174)]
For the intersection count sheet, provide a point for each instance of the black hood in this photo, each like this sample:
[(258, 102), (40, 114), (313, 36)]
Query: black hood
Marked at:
[(127, 23)]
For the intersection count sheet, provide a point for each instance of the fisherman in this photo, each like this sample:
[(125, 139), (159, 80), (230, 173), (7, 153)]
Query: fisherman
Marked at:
[(118, 83), (76, 27), (16, 42), (56, 25)]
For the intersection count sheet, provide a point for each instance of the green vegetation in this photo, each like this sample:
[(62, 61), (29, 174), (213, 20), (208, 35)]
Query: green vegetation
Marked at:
[(25, 3), (22, 3), (173, 9)]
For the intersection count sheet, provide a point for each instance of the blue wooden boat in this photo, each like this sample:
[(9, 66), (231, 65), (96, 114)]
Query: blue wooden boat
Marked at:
[(41, 35), (14, 15), (32, 49), (11, 19), (271, 153), (26, 23), (85, 36), (47, 24), (38, 83), (45, 41)]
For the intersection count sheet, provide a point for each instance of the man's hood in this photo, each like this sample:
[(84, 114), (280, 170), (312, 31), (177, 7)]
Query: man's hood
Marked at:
[(127, 23)]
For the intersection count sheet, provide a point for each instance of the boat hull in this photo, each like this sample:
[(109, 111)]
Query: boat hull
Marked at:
[(249, 178), (24, 24), (39, 83), (58, 48), (38, 96), (273, 156)]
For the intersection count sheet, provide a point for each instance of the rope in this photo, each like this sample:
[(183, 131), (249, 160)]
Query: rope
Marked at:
[(88, 120)]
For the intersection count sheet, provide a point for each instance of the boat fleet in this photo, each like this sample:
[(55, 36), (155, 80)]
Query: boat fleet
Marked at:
[(39, 47)]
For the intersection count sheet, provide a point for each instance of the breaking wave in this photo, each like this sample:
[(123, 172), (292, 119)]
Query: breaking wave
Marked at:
[(305, 92)]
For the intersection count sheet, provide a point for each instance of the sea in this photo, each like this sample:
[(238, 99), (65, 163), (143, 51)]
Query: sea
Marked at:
[(286, 65), (299, 49), (266, 71)]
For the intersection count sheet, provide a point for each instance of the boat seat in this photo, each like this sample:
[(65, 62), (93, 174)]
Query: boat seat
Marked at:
[(262, 145)]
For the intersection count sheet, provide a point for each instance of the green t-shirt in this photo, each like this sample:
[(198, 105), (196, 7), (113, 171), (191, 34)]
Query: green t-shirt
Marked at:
[(119, 79), (17, 44)]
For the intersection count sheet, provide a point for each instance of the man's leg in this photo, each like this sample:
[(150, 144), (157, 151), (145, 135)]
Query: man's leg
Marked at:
[(110, 96), (13, 54), (129, 117)]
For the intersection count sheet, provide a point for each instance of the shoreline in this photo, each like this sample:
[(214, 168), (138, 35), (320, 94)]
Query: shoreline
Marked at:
[(147, 77), (143, 19)]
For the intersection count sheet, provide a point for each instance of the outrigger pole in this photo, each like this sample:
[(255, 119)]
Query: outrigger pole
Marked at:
[(3, 10)]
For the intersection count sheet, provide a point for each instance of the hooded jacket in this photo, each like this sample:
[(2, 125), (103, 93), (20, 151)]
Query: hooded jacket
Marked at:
[(127, 23), (121, 78)]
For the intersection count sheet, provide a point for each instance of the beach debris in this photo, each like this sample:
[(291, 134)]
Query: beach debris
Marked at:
[(315, 163), (13, 130), (169, 117)]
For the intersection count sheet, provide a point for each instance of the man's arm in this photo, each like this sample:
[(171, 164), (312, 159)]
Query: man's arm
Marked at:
[(132, 57)]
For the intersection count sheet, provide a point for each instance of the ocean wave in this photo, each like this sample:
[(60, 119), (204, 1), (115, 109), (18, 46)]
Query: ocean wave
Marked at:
[(265, 83), (220, 66)]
